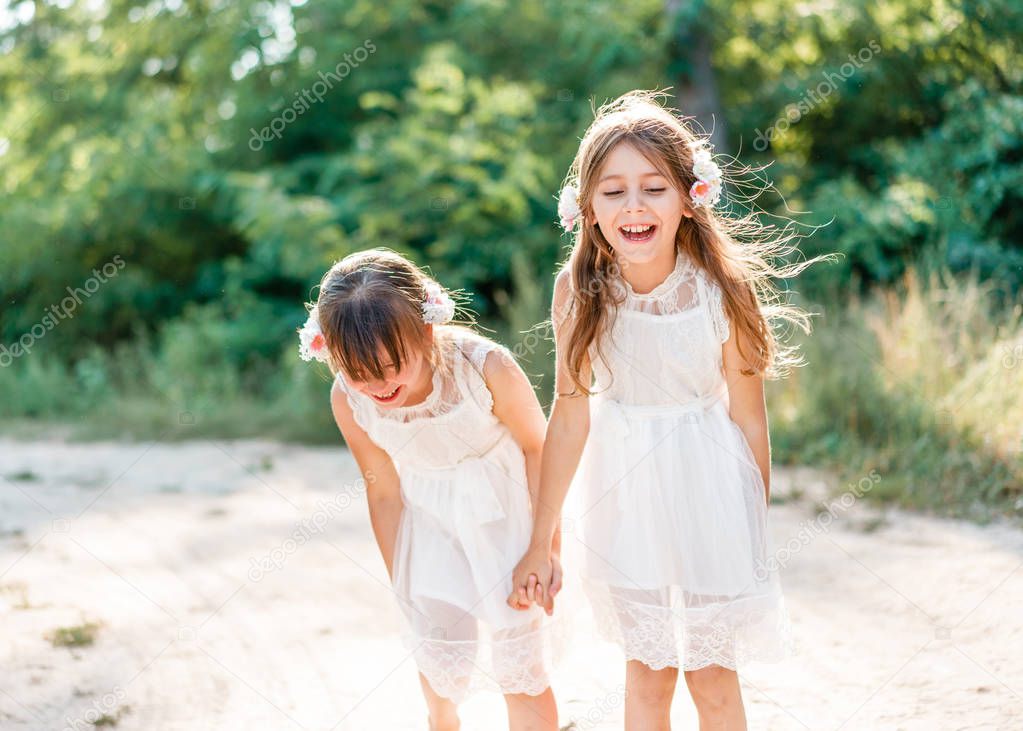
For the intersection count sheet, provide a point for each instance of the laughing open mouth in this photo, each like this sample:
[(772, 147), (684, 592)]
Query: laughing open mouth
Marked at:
[(385, 397), (638, 233)]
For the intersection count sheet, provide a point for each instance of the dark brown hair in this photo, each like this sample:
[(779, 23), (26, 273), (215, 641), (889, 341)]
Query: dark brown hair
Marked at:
[(370, 311)]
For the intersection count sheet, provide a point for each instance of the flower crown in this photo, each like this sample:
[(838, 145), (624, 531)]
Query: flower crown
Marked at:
[(705, 192), (437, 309)]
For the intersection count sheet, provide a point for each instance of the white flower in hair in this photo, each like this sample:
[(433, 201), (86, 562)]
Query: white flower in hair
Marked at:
[(704, 167), (438, 307), (312, 344), (568, 207), (706, 191)]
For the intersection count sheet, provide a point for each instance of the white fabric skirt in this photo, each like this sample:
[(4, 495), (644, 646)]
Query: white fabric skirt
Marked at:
[(667, 516), (463, 530)]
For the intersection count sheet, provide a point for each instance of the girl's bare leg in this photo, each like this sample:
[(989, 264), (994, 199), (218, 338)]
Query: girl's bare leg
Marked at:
[(648, 695), (718, 698), (532, 712), (443, 711)]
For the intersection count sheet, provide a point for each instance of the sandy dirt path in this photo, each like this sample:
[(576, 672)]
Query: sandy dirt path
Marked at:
[(208, 617)]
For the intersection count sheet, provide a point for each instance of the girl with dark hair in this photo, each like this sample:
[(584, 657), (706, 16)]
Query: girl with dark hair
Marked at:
[(447, 433)]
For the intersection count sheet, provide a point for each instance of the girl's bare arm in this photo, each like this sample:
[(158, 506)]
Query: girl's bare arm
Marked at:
[(383, 488), (567, 430), (516, 406), (748, 408)]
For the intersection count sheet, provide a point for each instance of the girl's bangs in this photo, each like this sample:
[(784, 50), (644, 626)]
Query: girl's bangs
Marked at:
[(371, 341)]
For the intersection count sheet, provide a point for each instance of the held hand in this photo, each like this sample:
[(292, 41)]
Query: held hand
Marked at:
[(555, 585), (531, 579)]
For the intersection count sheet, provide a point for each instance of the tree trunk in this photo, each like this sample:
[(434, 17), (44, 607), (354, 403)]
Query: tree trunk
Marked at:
[(696, 91)]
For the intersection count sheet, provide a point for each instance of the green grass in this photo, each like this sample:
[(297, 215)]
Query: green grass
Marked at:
[(107, 720), (190, 388), (81, 635), (921, 384), (136, 394)]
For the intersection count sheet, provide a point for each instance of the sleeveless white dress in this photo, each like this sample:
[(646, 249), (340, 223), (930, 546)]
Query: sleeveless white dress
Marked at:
[(466, 523), (667, 507)]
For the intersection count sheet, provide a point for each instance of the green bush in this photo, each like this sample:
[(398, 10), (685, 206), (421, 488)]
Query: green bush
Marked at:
[(919, 383)]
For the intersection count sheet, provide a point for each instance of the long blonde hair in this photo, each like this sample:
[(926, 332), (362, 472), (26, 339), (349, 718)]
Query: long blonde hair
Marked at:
[(738, 253)]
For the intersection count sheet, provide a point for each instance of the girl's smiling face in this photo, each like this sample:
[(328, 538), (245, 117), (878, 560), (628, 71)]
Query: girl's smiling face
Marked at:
[(636, 207), (410, 383)]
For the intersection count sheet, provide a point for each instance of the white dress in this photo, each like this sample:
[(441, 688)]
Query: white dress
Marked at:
[(667, 507), (466, 523)]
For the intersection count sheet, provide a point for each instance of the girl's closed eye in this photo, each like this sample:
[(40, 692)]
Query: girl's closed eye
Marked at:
[(613, 193)]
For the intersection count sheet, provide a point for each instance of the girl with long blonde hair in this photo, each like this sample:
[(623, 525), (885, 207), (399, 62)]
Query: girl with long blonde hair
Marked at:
[(665, 322)]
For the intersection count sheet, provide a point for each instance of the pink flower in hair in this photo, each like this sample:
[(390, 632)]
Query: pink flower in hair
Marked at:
[(706, 191), (312, 344)]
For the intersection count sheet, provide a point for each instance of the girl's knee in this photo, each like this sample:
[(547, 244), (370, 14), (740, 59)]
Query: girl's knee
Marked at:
[(532, 713), (650, 687), (712, 687)]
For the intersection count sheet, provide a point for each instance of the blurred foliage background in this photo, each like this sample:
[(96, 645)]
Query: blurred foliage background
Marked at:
[(229, 152)]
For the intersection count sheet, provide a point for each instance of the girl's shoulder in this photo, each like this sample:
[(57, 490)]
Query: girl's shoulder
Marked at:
[(713, 293), (561, 302), (474, 347), (472, 369), (564, 284), (348, 405)]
